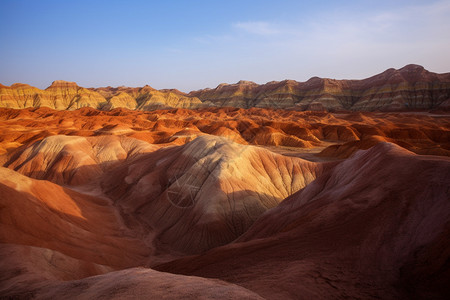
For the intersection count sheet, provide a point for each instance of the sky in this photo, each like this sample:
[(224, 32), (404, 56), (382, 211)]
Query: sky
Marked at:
[(196, 44)]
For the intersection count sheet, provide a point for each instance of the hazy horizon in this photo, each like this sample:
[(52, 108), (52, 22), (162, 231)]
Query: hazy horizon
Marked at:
[(200, 44), (261, 83)]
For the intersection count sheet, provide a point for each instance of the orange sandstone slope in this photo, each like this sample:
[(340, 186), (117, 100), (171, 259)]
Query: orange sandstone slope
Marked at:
[(80, 225), (375, 226)]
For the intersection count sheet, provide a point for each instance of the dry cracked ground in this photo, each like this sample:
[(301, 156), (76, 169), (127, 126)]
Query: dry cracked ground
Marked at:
[(224, 203)]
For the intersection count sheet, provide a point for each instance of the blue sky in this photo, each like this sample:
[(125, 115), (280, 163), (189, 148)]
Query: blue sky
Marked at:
[(196, 44)]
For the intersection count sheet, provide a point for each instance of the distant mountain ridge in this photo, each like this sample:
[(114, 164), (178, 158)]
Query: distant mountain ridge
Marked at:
[(64, 95), (409, 88)]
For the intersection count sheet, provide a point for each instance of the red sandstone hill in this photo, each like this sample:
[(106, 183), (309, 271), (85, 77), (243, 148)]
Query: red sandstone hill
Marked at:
[(409, 88)]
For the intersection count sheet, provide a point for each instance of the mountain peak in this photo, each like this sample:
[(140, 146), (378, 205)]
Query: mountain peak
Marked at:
[(246, 82), (412, 68), (19, 85), (63, 83)]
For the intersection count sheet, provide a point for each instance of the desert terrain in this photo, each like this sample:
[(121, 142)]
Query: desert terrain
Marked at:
[(325, 189), (226, 203), (276, 150)]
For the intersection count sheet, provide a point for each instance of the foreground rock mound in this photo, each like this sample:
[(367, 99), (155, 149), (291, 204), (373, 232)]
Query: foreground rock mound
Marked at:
[(374, 226), (206, 193)]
